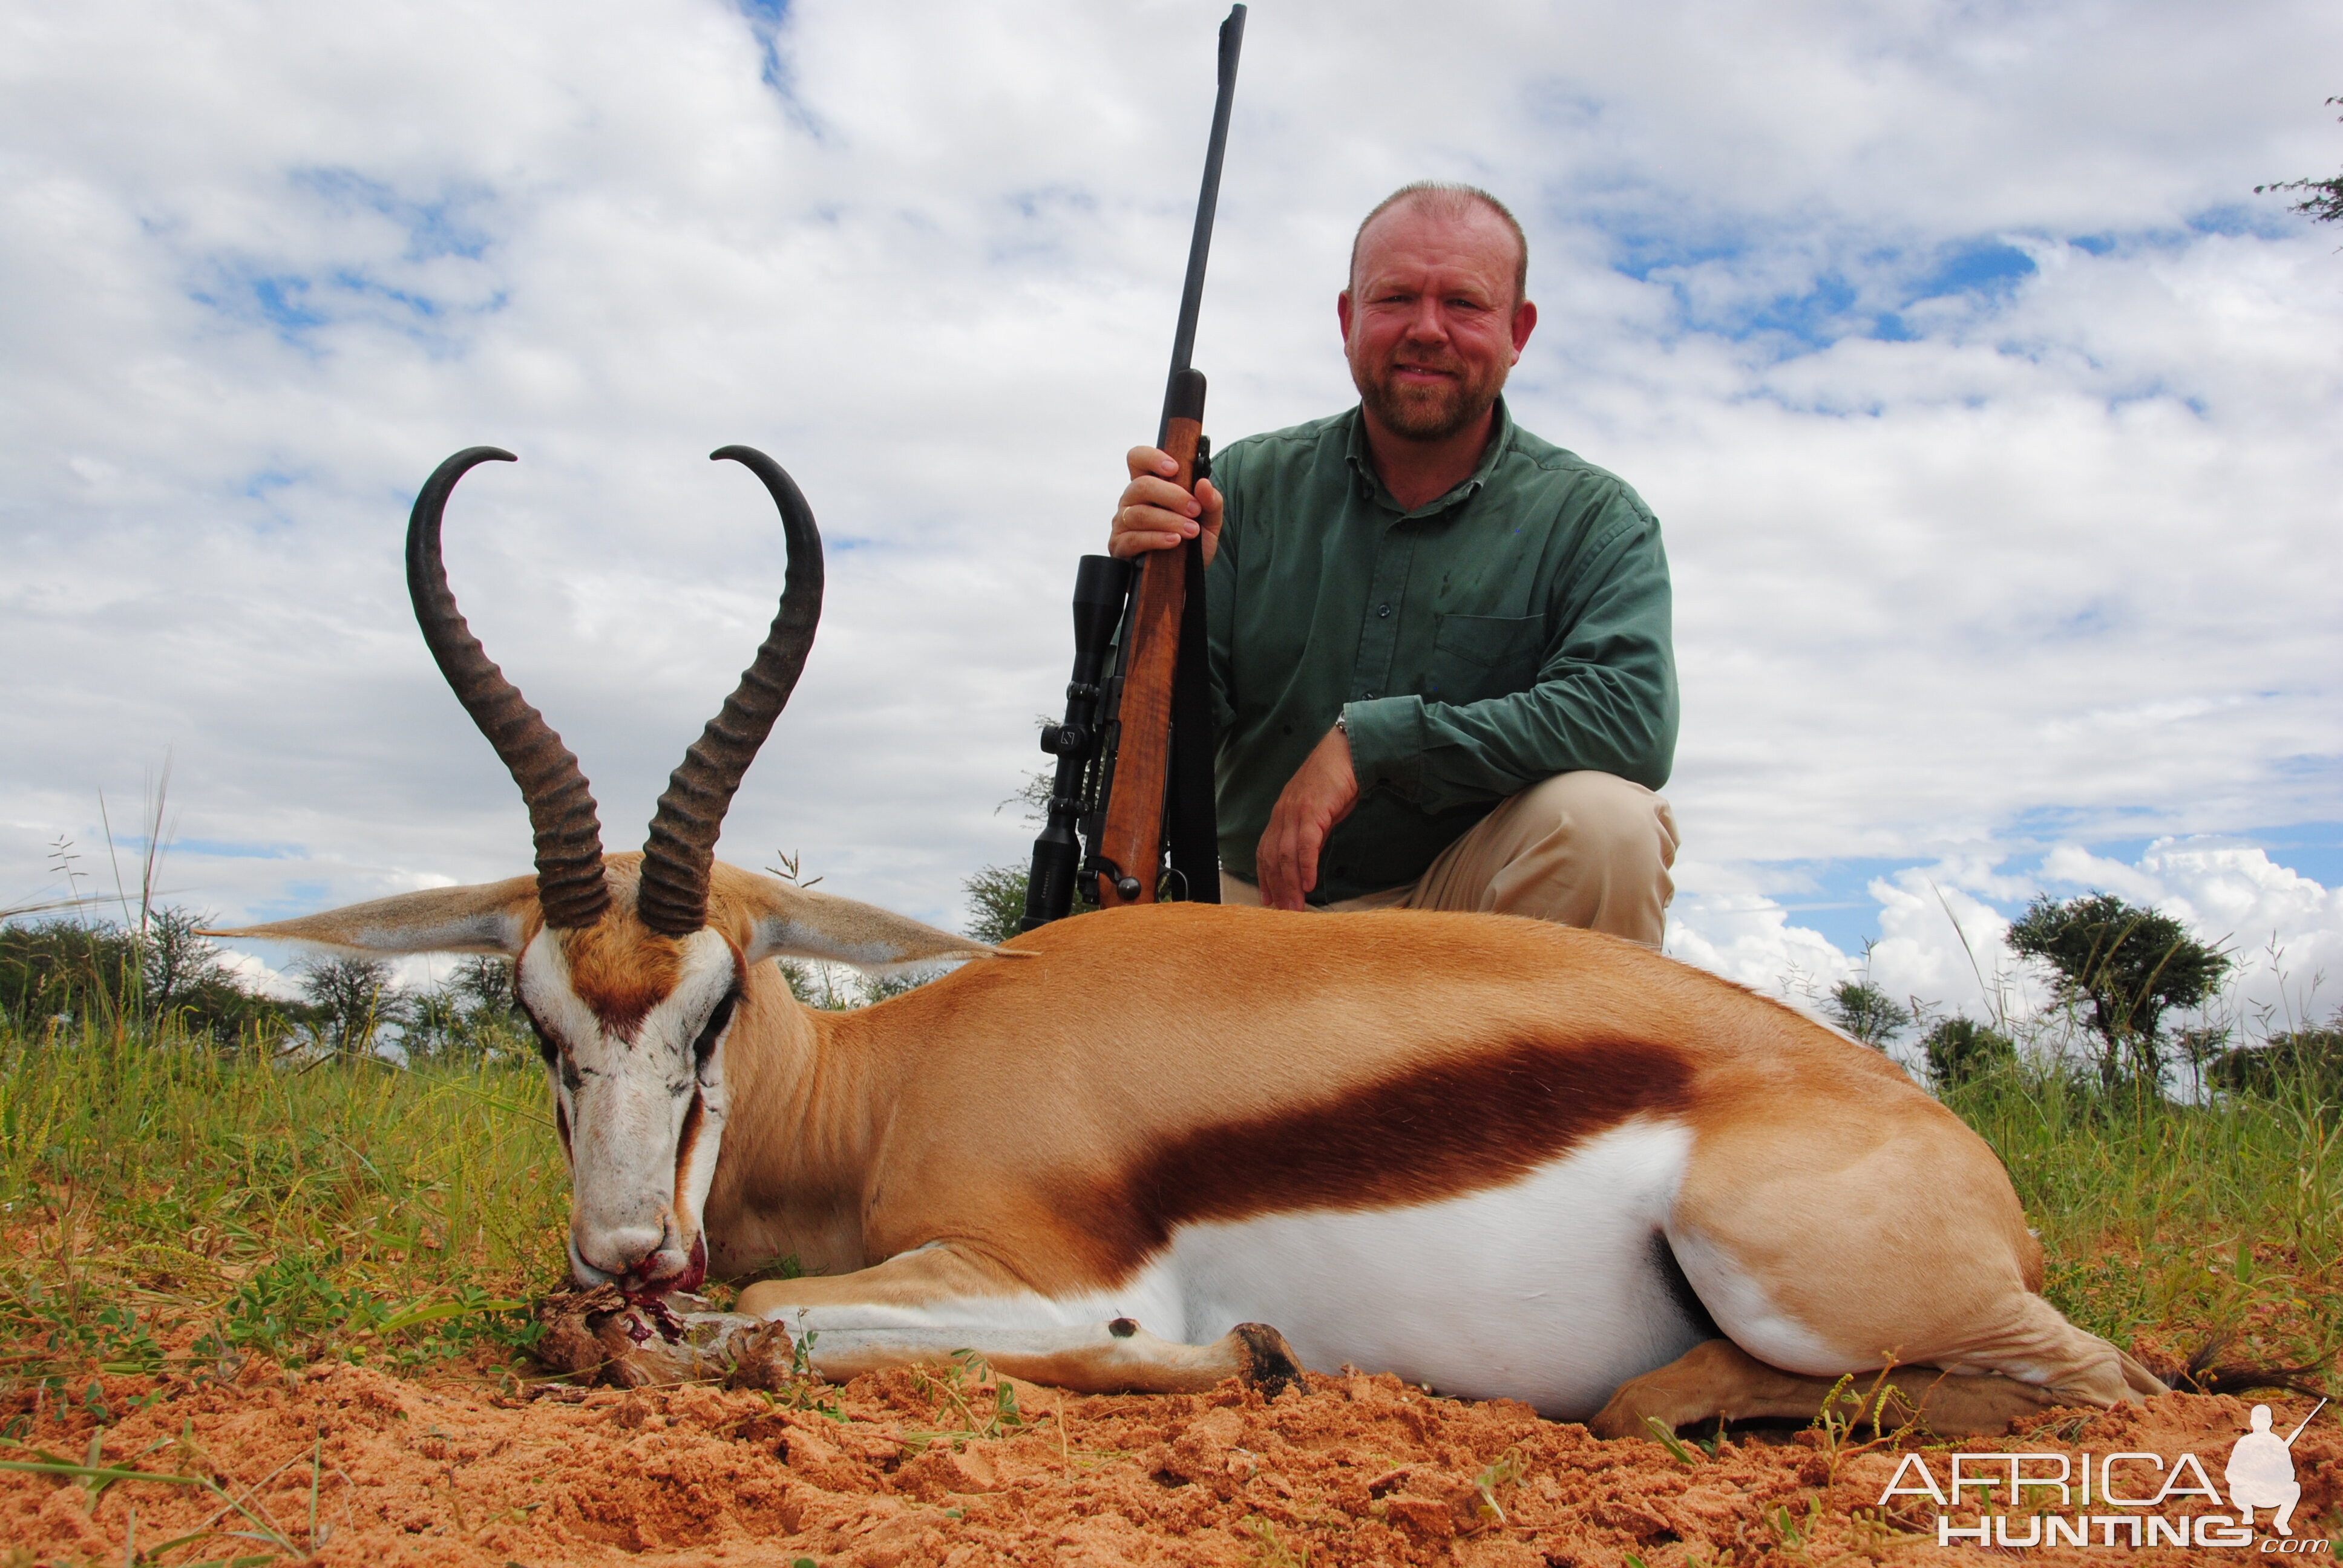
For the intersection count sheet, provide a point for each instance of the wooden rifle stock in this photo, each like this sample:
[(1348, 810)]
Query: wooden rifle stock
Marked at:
[(1131, 846)]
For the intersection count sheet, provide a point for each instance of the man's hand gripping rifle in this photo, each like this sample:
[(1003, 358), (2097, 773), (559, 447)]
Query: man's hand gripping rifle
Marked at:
[(1134, 752)]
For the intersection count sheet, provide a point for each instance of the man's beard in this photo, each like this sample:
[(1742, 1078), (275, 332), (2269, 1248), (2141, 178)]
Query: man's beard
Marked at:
[(1431, 412)]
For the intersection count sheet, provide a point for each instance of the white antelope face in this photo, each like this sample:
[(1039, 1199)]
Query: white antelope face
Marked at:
[(632, 992), (638, 1098)]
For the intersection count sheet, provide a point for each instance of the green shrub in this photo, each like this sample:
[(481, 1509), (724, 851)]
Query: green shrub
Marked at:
[(2300, 1062), (1961, 1049), (995, 902)]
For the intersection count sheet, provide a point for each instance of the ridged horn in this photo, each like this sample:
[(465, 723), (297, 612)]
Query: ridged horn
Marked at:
[(682, 843), (569, 886)]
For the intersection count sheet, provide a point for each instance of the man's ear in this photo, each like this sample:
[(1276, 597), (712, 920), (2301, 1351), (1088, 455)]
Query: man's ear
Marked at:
[(792, 922), (488, 918)]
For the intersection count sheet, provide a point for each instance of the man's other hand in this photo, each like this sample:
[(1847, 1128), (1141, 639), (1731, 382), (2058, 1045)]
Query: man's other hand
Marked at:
[(1155, 513), (1319, 794)]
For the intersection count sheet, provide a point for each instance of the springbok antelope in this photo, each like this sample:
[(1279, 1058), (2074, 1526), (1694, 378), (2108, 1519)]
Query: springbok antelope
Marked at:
[(1491, 1155)]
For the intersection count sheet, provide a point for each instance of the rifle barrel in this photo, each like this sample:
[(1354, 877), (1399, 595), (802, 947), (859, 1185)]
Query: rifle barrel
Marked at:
[(1208, 201)]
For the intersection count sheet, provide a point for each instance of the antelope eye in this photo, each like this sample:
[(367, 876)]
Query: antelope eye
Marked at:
[(545, 1046), (704, 1045)]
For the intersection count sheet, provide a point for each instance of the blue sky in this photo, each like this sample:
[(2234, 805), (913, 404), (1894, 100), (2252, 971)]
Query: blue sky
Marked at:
[(1988, 414)]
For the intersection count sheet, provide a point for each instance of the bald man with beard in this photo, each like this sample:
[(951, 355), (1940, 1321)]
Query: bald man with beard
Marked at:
[(1440, 646)]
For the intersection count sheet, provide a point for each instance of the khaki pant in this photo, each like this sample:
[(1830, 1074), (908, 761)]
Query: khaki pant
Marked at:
[(1583, 848)]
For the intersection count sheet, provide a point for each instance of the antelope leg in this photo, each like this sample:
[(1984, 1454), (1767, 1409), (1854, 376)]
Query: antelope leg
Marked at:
[(1719, 1379)]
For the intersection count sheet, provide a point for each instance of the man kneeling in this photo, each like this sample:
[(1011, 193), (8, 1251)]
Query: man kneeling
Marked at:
[(1440, 646)]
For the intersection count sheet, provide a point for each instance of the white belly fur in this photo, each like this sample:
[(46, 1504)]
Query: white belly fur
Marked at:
[(1548, 1289)]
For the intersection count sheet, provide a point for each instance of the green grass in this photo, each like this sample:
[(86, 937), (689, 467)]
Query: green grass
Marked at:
[(168, 1203), (2171, 1225)]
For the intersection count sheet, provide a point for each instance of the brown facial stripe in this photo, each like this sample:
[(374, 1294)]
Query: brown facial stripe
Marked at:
[(1435, 1132), (620, 971), (694, 1117)]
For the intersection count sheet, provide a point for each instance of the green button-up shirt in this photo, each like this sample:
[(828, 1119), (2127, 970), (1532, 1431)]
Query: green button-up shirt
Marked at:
[(1514, 628)]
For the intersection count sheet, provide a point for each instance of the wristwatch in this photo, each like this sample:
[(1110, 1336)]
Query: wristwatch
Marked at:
[(1343, 723)]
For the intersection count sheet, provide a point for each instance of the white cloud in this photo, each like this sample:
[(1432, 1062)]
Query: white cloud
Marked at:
[(2051, 566), (1944, 930)]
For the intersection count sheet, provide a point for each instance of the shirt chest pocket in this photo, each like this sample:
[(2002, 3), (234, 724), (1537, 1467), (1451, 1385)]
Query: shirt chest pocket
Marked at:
[(1477, 657)]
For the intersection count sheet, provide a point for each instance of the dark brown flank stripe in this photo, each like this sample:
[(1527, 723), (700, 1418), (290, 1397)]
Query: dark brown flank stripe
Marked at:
[(1438, 1131)]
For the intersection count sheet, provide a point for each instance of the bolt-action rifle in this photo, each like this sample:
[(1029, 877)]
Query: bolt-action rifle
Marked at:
[(1134, 752)]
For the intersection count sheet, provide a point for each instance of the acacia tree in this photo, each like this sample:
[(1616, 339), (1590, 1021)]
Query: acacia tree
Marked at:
[(2130, 965), (2322, 200), (1866, 1012), (350, 1002)]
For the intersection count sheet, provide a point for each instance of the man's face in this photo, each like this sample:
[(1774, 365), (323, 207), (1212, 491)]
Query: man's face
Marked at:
[(1430, 324)]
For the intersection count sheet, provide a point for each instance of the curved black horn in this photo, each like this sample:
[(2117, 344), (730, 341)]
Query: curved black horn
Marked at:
[(569, 886), (682, 843)]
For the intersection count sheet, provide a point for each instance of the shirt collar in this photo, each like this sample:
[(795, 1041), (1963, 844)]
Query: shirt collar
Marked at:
[(1363, 466)]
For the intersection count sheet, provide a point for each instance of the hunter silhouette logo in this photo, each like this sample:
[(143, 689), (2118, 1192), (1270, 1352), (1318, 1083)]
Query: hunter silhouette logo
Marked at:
[(2260, 1470), (2114, 1500)]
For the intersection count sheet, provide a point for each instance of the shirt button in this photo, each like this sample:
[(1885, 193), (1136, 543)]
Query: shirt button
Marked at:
[(1383, 609), (1370, 696)]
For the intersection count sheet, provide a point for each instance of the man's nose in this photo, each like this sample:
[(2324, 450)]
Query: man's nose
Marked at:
[(1426, 323)]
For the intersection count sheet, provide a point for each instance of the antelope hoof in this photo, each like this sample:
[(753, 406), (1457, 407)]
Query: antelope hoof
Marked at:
[(1270, 1364)]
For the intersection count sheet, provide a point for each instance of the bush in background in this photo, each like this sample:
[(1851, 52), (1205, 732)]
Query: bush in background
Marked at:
[(63, 973), (995, 902), (2298, 1061), (473, 1013), (1961, 1049)]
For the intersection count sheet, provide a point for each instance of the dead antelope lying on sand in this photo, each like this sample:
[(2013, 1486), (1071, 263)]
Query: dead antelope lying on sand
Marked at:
[(1491, 1155)]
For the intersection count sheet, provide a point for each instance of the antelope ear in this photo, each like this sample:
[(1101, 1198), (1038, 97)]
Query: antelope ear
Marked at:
[(795, 923), (488, 918)]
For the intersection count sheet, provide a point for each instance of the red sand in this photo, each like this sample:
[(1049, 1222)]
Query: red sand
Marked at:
[(1360, 1470)]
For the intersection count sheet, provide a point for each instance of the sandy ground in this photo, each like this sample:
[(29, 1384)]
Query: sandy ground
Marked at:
[(884, 1470)]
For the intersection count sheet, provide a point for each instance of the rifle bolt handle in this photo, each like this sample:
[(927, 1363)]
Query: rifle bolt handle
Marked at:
[(1127, 888)]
